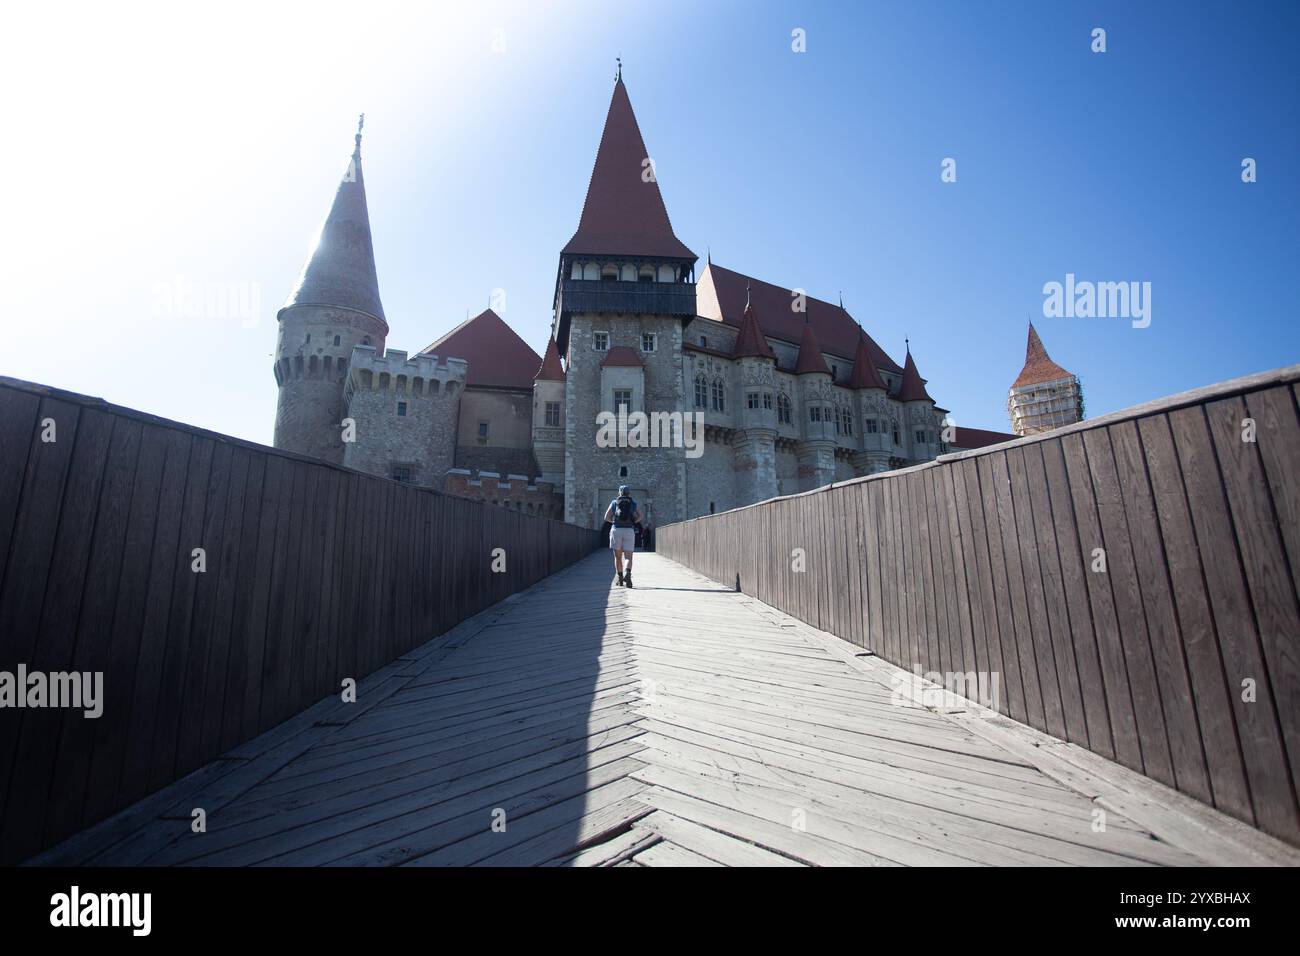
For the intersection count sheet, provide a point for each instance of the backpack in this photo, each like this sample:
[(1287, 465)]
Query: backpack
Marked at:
[(624, 509)]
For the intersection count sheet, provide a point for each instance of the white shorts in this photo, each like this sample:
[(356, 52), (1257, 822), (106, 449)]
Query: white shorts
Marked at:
[(622, 539)]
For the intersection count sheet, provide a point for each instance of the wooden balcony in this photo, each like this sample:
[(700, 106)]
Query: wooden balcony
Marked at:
[(626, 298)]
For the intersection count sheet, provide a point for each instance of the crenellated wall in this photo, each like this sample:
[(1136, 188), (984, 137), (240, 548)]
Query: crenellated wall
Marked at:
[(405, 414)]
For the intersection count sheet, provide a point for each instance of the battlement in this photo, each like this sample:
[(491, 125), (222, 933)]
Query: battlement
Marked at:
[(420, 376), (517, 492)]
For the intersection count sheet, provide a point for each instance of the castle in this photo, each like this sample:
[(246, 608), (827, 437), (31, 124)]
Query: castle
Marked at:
[(791, 392)]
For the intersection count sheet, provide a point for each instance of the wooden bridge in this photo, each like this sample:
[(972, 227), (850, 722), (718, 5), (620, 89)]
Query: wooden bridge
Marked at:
[(678, 723), (511, 707)]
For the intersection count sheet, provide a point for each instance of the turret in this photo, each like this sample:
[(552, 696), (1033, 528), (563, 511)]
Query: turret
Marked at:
[(548, 416), (334, 307), (874, 413), (1044, 396), (921, 421), (754, 444), (817, 450)]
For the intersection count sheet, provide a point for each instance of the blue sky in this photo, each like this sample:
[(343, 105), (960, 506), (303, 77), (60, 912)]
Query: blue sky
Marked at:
[(164, 149)]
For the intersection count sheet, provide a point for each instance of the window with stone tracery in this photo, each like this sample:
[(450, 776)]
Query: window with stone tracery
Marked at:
[(783, 409)]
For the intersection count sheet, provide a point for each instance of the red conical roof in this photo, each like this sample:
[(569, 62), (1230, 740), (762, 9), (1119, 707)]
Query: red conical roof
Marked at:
[(751, 341), (624, 214), (913, 387), (810, 353), (1039, 366), (551, 370), (865, 374)]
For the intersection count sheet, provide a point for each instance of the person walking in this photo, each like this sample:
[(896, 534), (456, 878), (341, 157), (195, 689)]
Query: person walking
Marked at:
[(623, 515)]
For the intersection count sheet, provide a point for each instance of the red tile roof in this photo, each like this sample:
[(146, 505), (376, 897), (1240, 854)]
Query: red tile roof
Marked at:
[(620, 356), (810, 353), (497, 357), (1039, 366), (720, 294), (624, 214), (751, 341), (967, 438), (913, 387), (551, 370), (865, 374)]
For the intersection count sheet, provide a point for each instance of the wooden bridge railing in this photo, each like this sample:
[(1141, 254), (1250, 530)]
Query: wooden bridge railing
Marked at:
[(309, 574), (1132, 580)]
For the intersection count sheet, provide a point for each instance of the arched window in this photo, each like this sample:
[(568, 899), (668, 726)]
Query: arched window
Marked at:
[(336, 340), (609, 273), (628, 273), (576, 272), (435, 386), (590, 271), (313, 366), (647, 274), (666, 274), (783, 409), (365, 340), (719, 396), (701, 391)]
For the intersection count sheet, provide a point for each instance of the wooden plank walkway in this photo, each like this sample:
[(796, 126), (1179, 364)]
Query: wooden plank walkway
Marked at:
[(677, 724)]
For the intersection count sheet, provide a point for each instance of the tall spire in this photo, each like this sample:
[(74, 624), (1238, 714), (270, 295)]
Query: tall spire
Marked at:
[(1039, 366), (810, 353), (551, 370), (913, 387), (865, 374), (624, 213), (340, 268), (751, 342)]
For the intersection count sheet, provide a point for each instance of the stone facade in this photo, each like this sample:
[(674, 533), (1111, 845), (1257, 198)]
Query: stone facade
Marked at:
[(781, 410), (403, 412)]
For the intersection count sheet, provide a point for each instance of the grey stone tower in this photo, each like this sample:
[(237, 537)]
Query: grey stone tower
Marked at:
[(333, 307), (817, 450), (754, 444)]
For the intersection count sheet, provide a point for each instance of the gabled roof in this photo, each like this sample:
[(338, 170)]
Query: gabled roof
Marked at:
[(865, 374), (720, 295), (1039, 366), (810, 353), (912, 388), (751, 342), (623, 213), (340, 268), (620, 356), (497, 357), (551, 370), (968, 438)]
